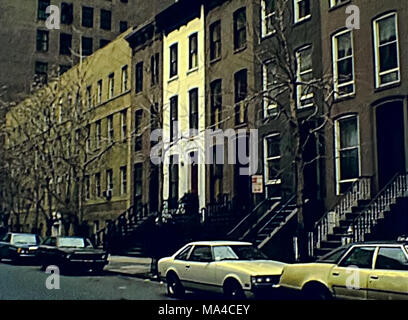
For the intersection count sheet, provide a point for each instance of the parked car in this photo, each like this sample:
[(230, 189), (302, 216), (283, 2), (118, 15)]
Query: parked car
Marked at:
[(370, 270), (72, 253), (19, 247), (236, 269)]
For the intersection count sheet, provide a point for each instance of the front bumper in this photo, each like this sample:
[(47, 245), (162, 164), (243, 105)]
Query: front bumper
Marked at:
[(267, 291)]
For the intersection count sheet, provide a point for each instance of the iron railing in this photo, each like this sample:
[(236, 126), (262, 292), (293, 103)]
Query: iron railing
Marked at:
[(368, 218), (359, 190)]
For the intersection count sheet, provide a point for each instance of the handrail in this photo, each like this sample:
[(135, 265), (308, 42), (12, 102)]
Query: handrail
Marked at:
[(289, 202), (264, 201), (343, 197), (383, 199)]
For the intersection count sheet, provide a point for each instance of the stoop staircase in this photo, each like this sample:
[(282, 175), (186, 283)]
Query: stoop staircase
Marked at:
[(356, 215)]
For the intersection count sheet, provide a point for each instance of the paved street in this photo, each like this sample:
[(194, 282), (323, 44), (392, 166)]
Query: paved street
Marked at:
[(28, 283)]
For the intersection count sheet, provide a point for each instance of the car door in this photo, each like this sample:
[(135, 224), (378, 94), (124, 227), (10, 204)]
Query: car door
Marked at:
[(389, 279), (4, 245), (349, 278), (201, 269), (181, 264)]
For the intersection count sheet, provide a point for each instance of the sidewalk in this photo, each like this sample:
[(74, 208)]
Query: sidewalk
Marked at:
[(130, 266)]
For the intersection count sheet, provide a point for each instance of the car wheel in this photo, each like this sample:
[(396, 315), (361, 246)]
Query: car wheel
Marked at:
[(316, 292), (174, 287), (233, 290)]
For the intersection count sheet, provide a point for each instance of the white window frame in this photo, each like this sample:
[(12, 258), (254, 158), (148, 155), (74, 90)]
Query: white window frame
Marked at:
[(190, 52), (267, 104), (264, 20), (109, 180), (335, 3), (299, 88), (266, 159), (111, 85), (125, 78), (99, 93), (378, 75), (296, 11), (337, 86), (98, 134), (337, 151), (123, 124), (111, 128), (123, 180)]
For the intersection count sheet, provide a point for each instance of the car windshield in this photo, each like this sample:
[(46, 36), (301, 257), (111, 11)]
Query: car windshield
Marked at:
[(71, 242), (24, 239), (238, 252)]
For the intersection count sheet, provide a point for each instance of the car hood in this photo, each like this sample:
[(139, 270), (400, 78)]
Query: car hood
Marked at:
[(254, 267), (26, 246)]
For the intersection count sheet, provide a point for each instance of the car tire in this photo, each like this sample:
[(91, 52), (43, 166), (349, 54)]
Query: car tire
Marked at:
[(174, 287), (233, 290), (316, 292)]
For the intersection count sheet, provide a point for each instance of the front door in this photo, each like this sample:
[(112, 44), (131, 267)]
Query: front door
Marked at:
[(193, 173), (390, 141)]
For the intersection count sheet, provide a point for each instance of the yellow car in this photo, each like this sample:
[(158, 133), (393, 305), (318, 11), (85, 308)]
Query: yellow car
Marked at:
[(370, 270), (236, 269)]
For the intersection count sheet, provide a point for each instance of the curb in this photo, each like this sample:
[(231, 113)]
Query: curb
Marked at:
[(145, 276)]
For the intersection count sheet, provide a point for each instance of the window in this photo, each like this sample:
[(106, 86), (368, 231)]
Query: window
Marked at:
[(138, 180), (173, 60), (154, 69), (138, 129), (173, 181), (347, 148), (67, 13), (139, 77), (42, 40), (98, 133), (241, 92), (302, 10), (193, 110), (111, 133), (343, 64), (269, 82), (183, 254), (123, 120), (87, 46), (87, 188), (88, 137), (216, 103), (123, 180), (304, 76), (334, 3), (215, 40), (217, 172), (103, 42), (267, 17), (109, 179), (89, 96), (240, 29), (87, 17), (386, 50), (106, 19), (41, 71), (125, 77), (173, 118), (123, 26), (111, 84), (65, 44), (391, 259), (272, 158), (360, 257), (193, 51), (201, 254), (42, 7), (99, 92)]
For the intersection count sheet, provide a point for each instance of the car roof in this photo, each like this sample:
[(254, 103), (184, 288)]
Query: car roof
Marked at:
[(220, 243)]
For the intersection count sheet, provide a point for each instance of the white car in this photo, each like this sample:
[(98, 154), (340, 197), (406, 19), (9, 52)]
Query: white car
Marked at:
[(236, 269)]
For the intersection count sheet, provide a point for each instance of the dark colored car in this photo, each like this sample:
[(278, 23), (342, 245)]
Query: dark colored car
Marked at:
[(19, 247), (72, 254)]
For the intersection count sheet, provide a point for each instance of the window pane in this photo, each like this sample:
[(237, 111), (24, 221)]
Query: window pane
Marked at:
[(305, 59), (387, 30), (345, 70), (344, 45), (391, 259), (273, 169), (273, 147), (360, 257), (348, 132), (349, 164), (388, 57)]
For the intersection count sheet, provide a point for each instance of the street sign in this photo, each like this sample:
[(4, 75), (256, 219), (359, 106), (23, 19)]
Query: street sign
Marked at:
[(257, 184)]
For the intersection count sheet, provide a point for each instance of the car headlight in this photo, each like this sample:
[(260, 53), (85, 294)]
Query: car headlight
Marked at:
[(68, 256), (104, 256), (20, 250), (274, 279)]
